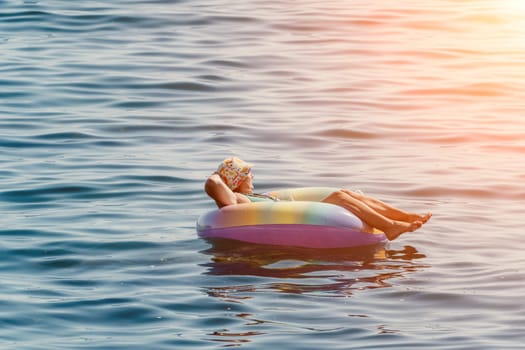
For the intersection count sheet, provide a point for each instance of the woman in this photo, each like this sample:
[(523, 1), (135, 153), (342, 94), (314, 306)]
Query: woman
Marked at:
[(232, 184)]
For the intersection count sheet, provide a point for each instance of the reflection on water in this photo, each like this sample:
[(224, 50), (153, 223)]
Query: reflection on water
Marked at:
[(236, 338), (299, 271), (320, 271)]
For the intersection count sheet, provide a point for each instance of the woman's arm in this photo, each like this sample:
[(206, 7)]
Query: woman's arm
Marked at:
[(220, 193)]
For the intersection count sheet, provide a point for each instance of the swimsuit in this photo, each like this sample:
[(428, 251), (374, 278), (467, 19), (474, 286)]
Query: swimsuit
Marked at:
[(254, 197)]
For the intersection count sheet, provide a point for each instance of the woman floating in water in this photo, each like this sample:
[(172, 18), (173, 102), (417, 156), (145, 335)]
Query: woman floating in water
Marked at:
[(232, 184)]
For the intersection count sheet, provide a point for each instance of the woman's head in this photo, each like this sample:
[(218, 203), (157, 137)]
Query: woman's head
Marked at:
[(235, 172)]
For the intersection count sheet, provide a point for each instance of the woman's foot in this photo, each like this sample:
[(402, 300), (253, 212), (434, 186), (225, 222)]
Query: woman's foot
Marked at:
[(412, 217), (400, 227)]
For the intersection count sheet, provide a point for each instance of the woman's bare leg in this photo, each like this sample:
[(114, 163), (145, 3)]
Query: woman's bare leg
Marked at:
[(391, 227), (388, 210)]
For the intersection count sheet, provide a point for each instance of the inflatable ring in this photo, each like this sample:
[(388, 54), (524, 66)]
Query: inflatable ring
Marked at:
[(297, 219)]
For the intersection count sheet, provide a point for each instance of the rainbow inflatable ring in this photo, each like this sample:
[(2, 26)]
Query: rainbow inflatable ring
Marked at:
[(298, 219)]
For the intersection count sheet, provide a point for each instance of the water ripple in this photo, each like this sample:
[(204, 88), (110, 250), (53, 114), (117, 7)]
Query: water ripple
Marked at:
[(113, 114)]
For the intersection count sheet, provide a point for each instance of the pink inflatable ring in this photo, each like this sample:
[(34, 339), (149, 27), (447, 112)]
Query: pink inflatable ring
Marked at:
[(298, 219)]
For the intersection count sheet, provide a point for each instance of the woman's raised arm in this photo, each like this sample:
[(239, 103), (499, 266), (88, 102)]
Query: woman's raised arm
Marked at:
[(219, 192)]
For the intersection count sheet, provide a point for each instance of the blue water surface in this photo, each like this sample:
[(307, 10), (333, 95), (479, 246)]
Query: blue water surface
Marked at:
[(112, 114)]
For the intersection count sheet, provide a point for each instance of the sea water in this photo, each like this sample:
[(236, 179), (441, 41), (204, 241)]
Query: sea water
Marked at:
[(112, 114)]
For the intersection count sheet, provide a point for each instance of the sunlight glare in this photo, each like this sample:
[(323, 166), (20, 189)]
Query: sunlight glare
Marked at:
[(514, 5)]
